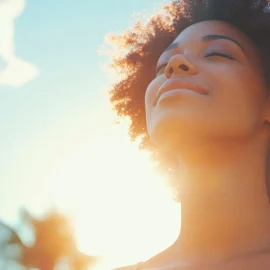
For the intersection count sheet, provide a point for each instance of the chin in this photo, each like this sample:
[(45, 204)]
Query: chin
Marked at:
[(169, 133)]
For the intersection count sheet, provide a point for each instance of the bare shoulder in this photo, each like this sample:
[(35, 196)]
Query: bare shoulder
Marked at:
[(129, 267), (261, 261)]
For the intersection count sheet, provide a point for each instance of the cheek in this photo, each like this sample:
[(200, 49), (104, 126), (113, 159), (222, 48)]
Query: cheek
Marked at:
[(238, 98), (151, 92), (236, 82), (150, 95)]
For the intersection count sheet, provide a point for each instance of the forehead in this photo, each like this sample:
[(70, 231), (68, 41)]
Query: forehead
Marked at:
[(195, 33), (198, 30)]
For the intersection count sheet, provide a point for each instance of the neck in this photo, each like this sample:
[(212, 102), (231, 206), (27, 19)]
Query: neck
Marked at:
[(224, 204)]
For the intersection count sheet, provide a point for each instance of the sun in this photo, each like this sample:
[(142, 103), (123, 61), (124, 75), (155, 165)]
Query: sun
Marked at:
[(122, 210)]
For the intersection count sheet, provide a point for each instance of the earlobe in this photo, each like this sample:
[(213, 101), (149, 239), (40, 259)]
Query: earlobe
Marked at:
[(266, 111)]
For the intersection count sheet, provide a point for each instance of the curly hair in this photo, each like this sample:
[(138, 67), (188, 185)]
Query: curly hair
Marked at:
[(145, 42)]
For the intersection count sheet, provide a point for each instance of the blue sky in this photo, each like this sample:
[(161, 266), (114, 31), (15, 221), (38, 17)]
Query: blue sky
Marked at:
[(62, 39), (53, 120)]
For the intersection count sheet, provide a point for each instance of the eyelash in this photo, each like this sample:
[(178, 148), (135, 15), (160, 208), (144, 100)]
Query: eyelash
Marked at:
[(218, 53), (213, 53)]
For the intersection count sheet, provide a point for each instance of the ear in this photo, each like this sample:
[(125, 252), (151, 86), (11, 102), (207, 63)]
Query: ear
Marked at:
[(266, 108)]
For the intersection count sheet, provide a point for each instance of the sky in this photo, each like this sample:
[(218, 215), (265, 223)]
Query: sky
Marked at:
[(59, 144)]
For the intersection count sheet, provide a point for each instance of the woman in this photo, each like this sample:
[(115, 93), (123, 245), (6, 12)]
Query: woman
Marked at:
[(196, 85)]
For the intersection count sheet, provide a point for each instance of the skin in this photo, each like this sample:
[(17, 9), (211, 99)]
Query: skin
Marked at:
[(222, 142)]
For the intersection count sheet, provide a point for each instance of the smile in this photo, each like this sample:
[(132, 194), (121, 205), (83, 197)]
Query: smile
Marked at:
[(178, 86)]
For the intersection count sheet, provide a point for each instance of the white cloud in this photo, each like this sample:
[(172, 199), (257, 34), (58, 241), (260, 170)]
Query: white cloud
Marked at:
[(16, 71)]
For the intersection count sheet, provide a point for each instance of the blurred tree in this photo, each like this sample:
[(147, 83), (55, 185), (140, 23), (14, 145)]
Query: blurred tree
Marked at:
[(11, 248), (54, 241)]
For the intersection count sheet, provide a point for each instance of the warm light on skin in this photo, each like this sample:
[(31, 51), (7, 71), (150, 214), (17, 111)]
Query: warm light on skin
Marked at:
[(122, 210)]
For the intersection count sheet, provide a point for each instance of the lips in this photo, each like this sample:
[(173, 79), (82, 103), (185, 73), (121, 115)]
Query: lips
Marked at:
[(174, 84)]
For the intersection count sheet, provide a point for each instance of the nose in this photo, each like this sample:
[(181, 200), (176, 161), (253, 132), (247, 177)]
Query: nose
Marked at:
[(178, 65)]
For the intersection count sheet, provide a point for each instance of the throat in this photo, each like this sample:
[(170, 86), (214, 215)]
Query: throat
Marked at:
[(222, 218)]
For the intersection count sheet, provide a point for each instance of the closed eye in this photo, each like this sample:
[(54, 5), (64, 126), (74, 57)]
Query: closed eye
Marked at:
[(217, 53)]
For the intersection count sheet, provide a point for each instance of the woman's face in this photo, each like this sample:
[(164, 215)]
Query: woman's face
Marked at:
[(209, 86)]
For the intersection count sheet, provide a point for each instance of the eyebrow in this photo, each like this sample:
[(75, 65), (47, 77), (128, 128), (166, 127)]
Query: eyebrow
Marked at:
[(210, 38)]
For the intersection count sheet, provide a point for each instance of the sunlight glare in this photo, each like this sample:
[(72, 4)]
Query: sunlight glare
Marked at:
[(122, 209)]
